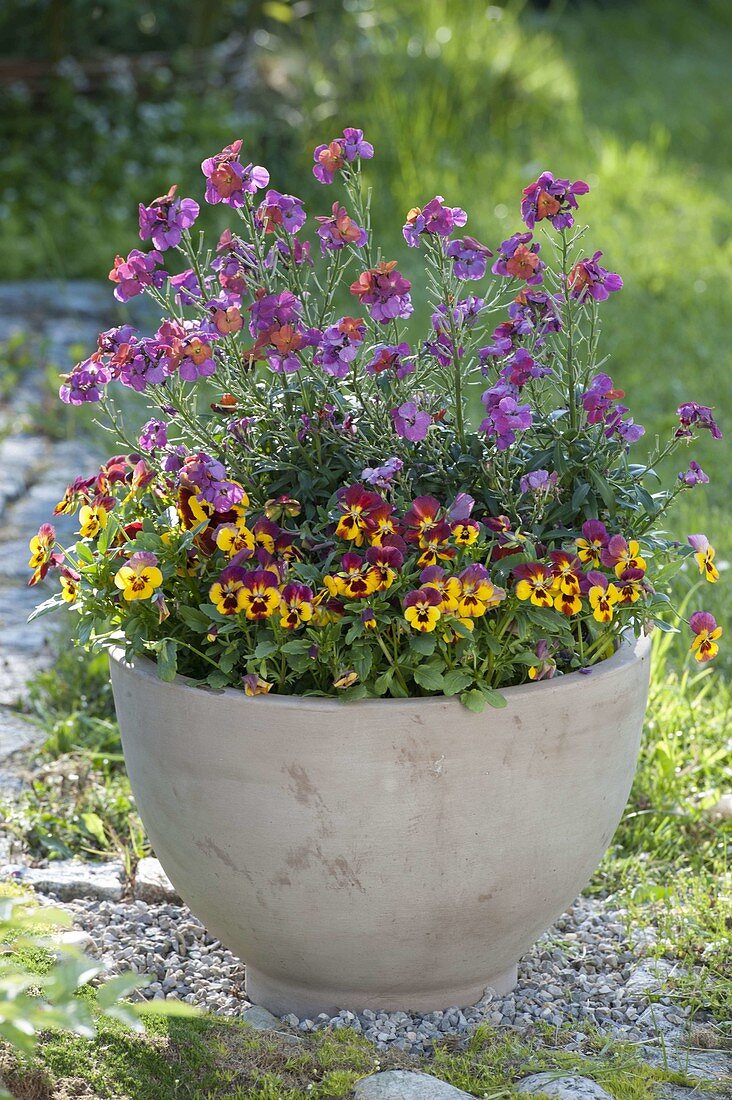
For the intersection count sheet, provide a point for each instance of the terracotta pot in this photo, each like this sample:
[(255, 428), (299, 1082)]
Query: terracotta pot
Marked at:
[(385, 854)]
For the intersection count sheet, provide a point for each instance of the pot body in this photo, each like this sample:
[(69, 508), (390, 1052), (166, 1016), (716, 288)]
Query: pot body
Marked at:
[(384, 854)]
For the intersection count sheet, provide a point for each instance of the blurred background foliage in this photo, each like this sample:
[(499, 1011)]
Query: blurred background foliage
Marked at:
[(105, 103)]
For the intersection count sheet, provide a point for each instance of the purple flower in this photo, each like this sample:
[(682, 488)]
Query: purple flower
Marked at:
[(382, 476), (274, 310), (340, 346), (535, 310), (694, 475), (165, 219), (228, 180), (289, 254), (538, 482), (551, 199), (516, 260), (385, 292), (522, 367), (598, 401), (154, 434), (277, 209), (110, 341), (339, 229), (186, 287), (354, 145), (435, 219), (391, 357), (195, 356), (442, 348), (588, 279), (207, 477), (470, 258), (504, 416), (410, 423), (149, 366), (692, 415), (134, 274), (85, 383), (235, 261)]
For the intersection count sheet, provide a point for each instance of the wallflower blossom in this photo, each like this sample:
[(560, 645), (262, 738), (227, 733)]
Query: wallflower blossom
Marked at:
[(138, 271), (206, 476), (409, 422), (536, 310), (42, 554), (536, 582), (340, 346), (85, 383), (234, 263), (552, 199), (505, 417), (538, 482), (149, 365), (296, 605), (692, 415), (226, 318), (517, 260), (435, 219), (382, 476), (422, 610), (285, 211), (289, 254), (598, 402), (603, 597), (592, 542), (521, 368), (338, 229), (186, 287), (140, 577), (391, 357), (228, 180), (694, 475), (273, 310), (704, 557), (704, 626), (197, 359), (469, 258), (165, 218), (385, 292), (588, 279), (330, 158), (154, 435)]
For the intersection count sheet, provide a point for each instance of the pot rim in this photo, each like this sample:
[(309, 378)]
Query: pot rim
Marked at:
[(630, 650)]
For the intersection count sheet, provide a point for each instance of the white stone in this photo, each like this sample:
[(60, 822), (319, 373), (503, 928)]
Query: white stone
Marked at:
[(259, 1018), (563, 1087), (711, 1065), (15, 733), (648, 978), (71, 878), (78, 940), (722, 808), (400, 1084), (152, 884)]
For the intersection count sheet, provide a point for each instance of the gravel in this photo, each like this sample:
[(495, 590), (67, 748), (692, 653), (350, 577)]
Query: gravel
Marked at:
[(585, 971)]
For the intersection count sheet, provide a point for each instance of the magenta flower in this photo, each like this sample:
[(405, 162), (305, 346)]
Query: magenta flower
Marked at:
[(505, 417), (517, 260), (186, 287), (551, 199), (340, 346), (382, 476), (598, 401), (694, 475), (385, 292), (355, 146), (692, 415), (538, 482), (138, 271), (535, 310), (339, 229), (85, 383), (522, 367), (391, 357), (228, 180), (470, 258), (434, 219), (289, 254), (588, 279), (154, 434), (410, 423), (334, 156), (207, 476), (274, 310), (285, 211), (165, 218), (195, 356), (149, 365)]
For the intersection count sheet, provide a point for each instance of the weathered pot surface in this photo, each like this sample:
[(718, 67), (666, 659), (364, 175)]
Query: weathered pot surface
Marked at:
[(384, 854)]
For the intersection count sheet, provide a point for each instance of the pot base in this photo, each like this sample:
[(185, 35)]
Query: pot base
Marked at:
[(282, 997)]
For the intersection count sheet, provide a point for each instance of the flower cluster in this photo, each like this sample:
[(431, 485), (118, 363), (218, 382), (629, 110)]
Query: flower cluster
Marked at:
[(307, 506)]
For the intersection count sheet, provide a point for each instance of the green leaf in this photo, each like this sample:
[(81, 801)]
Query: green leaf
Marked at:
[(494, 698), (423, 644), (456, 680), (265, 648), (474, 700), (167, 655), (580, 495), (429, 677), (93, 824), (195, 618)]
